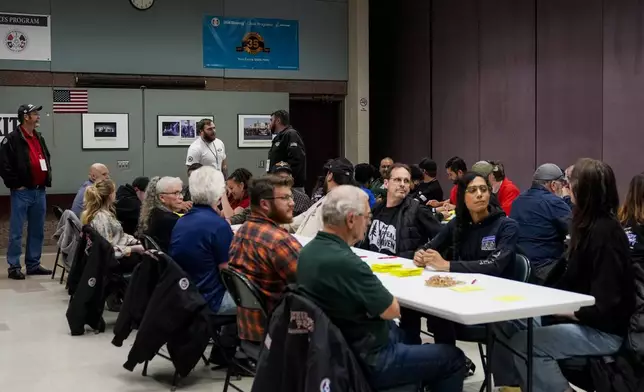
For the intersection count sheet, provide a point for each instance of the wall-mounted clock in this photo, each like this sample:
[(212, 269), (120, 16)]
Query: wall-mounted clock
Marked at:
[(142, 5)]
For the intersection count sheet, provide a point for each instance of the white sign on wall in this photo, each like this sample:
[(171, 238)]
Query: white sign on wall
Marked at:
[(25, 37), (8, 123)]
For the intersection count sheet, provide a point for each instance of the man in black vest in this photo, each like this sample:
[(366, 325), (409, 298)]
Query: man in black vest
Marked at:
[(25, 167), (287, 146), (401, 224)]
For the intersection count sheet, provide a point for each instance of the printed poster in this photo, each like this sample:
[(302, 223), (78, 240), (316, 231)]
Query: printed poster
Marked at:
[(25, 37)]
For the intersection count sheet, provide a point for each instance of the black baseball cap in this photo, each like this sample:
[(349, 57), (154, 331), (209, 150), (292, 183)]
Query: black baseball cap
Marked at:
[(281, 166), (340, 166), (141, 183), (428, 165), (27, 108)]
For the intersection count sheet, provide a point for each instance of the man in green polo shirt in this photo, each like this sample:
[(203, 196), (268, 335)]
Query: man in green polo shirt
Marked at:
[(355, 300)]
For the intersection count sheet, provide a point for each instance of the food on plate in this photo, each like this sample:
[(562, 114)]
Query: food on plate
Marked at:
[(442, 281)]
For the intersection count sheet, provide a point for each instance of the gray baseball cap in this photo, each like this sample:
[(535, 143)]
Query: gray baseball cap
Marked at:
[(483, 168), (548, 172)]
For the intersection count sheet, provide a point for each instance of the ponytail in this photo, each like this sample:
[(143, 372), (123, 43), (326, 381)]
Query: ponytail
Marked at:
[(97, 197)]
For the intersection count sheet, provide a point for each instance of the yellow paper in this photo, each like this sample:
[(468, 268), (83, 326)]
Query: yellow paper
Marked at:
[(509, 298), (385, 267), (404, 272), (466, 288)]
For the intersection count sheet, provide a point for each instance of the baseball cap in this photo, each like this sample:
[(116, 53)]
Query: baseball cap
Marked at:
[(281, 166), (548, 172), (428, 165), (141, 183), (340, 166), (28, 108), (483, 168)]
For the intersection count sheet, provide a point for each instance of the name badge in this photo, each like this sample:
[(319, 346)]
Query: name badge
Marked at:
[(488, 243), (43, 164)]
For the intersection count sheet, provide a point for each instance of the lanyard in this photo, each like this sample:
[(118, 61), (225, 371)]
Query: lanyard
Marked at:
[(214, 153)]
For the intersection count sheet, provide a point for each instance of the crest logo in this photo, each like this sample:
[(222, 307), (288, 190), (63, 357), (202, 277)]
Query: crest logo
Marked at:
[(184, 283), (215, 22), (91, 282), (16, 41)]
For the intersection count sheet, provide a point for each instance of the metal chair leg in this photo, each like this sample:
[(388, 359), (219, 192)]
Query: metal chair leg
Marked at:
[(175, 380), (62, 276), (53, 273), (145, 369), (227, 381)]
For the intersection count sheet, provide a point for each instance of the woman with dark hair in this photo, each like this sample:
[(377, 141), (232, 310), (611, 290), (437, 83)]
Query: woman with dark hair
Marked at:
[(237, 190), (631, 216), (599, 264)]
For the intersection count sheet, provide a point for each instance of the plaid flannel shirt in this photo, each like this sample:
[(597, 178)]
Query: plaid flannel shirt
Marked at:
[(267, 255)]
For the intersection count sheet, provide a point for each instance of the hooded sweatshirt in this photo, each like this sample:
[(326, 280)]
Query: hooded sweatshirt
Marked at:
[(487, 247), (128, 207)]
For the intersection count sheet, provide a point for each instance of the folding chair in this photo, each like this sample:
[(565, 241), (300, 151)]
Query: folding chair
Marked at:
[(148, 243), (246, 295), (58, 213)]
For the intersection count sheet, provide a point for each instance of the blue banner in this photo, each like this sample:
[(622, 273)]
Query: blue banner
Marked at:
[(245, 43)]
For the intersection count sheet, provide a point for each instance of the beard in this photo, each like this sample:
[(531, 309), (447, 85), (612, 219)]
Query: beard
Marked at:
[(280, 217), (208, 138)]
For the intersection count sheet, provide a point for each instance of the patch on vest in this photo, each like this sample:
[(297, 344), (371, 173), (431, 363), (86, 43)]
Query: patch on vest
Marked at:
[(91, 282), (488, 243), (300, 323), (184, 283), (325, 385), (632, 237)]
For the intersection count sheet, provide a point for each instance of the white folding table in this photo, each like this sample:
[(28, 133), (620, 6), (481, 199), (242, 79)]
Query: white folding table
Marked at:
[(499, 300)]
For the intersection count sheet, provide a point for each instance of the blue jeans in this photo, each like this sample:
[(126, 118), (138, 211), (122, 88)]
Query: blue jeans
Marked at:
[(27, 205), (551, 343), (437, 366)]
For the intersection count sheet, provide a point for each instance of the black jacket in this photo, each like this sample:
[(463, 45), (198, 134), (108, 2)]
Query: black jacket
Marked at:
[(488, 247), (160, 227), (305, 352), (601, 266), (415, 225), (15, 165), (176, 315), (128, 208), (426, 191), (288, 146), (142, 284), (88, 281)]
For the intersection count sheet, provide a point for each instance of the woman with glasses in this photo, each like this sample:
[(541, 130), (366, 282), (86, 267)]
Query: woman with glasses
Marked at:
[(160, 209), (481, 239)]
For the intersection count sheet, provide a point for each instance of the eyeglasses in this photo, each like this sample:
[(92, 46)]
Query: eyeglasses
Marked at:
[(177, 193), (285, 197), (472, 189)]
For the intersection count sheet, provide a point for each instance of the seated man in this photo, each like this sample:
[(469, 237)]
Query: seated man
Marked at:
[(504, 189), (543, 218), (128, 203), (160, 210), (201, 239), (343, 286), (400, 224), (364, 177), (378, 185), (429, 188), (301, 199), (97, 172), (455, 168), (263, 251)]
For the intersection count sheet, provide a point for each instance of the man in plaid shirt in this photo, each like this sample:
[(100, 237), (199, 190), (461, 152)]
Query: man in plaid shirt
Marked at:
[(264, 252)]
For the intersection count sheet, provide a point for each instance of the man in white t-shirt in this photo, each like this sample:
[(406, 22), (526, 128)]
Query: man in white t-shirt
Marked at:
[(207, 149)]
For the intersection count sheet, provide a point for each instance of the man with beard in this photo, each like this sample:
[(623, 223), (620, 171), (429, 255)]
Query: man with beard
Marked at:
[(378, 185), (287, 146), (429, 187), (207, 149), (543, 217), (455, 168), (401, 224), (263, 251)]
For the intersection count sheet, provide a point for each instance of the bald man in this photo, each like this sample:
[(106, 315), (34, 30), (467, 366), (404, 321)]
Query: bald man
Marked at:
[(97, 172)]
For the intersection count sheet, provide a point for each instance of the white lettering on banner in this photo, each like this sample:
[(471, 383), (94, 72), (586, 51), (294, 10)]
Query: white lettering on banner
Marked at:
[(383, 236), (8, 123)]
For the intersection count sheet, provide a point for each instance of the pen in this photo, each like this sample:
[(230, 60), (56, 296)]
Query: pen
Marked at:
[(363, 257), (474, 281), (386, 257)]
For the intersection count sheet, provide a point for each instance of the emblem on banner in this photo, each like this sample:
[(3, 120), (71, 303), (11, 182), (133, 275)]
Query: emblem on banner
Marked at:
[(16, 41), (215, 22), (253, 43)]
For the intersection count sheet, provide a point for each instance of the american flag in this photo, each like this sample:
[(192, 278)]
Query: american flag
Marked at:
[(70, 101)]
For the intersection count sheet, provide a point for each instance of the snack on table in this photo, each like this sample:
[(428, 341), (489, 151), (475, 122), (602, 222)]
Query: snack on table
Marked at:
[(442, 281)]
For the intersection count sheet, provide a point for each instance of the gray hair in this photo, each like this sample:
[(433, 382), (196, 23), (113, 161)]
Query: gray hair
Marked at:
[(150, 201), (207, 186), (166, 183), (340, 202)]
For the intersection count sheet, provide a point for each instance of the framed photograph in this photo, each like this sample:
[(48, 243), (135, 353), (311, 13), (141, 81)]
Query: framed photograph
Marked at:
[(105, 131), (254, 131), (178, 131)]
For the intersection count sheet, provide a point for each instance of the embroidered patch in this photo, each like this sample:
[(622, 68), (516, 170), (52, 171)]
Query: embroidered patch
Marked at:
[(632, 237), (488, 243), (91, 282), (184, 283), (325, 385)]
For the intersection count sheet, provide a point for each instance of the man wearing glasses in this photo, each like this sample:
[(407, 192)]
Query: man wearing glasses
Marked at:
[(263, 251), (543, 217), (401, 224)]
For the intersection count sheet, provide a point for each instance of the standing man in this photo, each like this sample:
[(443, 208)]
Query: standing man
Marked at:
[(25, 167), (378, 185), (207, 149), (287, 146)]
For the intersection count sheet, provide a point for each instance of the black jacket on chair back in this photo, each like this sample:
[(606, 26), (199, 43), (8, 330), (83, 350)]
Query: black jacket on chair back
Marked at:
[(88, 280), (304, 352), (176, 315)]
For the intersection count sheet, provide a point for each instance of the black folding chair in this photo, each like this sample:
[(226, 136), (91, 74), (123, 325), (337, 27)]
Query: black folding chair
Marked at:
[(247, 296), (148, 243)]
